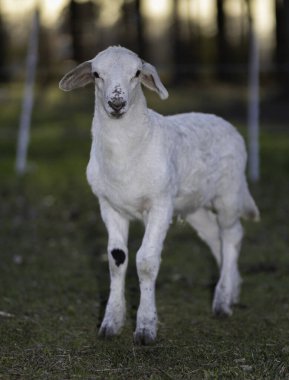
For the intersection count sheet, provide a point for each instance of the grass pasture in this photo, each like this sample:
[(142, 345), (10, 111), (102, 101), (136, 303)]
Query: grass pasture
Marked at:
[(54, 277)]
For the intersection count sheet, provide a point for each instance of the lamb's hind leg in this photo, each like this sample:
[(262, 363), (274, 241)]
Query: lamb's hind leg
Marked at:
[(225, 245), (206, 224), (227, 289), (117, 228)]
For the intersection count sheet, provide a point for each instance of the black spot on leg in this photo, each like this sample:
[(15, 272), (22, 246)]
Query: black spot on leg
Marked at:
[(119, 256)]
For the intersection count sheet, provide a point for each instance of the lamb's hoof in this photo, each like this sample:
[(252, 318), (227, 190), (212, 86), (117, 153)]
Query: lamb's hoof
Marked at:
[(222, 310), (144, 337), (107, 331)]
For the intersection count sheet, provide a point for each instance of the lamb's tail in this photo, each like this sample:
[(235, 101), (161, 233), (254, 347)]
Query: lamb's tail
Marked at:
[(250, 210)]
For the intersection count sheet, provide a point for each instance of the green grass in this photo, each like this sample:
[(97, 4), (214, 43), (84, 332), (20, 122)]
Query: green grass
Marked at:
[(54, 278)]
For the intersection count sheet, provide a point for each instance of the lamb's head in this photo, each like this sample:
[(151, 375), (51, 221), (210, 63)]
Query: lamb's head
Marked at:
[(117, 73)]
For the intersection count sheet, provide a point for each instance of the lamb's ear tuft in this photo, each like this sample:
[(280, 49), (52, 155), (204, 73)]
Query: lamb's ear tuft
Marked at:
[(78, 77), (151, 79)]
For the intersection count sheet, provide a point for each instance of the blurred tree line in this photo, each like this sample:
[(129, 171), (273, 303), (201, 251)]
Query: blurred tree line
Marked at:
[(179, 47)]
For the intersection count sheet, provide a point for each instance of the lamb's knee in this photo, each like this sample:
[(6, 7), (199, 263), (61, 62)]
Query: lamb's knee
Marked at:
[(118, 259), (119, 256), (147, 265), (233, 235)]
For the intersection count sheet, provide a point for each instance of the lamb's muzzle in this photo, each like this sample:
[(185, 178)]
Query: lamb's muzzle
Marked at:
[(117, 105), (153, 167)]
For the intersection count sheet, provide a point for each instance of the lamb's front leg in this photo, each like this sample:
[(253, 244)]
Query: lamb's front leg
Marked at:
[(117, 228), (148, 262)]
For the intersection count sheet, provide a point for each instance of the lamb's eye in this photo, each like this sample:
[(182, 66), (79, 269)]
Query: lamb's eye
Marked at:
[(96, 75), (137, 74)]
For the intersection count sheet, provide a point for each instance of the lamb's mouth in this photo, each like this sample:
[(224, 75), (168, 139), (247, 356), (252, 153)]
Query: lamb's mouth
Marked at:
[(116, 115)]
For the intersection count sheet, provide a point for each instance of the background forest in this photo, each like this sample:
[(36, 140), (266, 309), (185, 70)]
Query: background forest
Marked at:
[(187, 39)]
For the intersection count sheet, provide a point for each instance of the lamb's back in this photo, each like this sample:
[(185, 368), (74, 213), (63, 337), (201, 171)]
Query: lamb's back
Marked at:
[(208, 152), (206, 132)]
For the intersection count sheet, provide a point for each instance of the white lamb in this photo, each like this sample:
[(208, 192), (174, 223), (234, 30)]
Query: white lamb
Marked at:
[(147, 166)]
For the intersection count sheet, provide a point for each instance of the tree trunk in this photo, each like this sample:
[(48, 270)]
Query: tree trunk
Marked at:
[(222, 43), (4, 75), (177, 44), (282, 43), (139, 29), (75, 28)]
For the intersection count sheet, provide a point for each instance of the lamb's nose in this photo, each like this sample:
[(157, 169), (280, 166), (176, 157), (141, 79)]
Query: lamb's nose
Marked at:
[(117, 104)]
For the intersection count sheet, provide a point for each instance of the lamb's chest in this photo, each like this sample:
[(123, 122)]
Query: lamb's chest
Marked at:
[(128, 191)]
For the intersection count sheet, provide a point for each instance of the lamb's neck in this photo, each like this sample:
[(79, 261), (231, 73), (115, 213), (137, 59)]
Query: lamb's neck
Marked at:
[(123, 137)]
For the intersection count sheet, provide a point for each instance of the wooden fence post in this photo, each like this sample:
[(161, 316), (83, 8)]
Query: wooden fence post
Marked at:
[(253, 105), (28, 97)]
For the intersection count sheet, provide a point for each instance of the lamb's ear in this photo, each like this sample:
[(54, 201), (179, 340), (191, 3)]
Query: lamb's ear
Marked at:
[(78, 77), (151, 79)]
